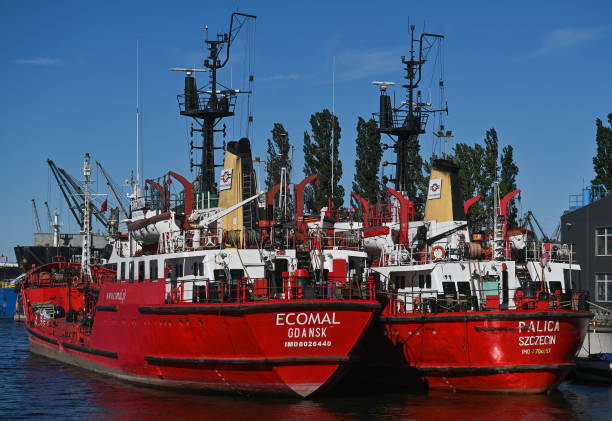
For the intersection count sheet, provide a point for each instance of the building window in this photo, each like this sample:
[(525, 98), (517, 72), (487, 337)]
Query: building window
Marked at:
[(603, 241), (603, 285)]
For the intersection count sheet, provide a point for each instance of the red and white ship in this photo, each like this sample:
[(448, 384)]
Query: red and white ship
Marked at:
[(195, 296), (460, 320), (464, 313)]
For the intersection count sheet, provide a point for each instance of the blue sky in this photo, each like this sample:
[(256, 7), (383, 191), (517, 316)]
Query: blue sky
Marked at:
[(537, 73)]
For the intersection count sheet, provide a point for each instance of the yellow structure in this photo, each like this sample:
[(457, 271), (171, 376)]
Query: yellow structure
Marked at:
[(439, 206), (232, 195)]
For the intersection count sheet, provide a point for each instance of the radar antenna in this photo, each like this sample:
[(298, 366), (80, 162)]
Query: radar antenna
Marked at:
[(405, 123), (210, 105)]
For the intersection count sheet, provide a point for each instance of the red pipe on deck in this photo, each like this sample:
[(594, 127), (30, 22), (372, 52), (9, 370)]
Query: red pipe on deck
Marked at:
[(468, 203), (503, 204), (406, 209), (366, 207), (188, 187), (298, 193), (503, 207)]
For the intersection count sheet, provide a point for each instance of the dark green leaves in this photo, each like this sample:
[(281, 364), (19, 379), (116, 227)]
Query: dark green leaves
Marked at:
[(602, 162)]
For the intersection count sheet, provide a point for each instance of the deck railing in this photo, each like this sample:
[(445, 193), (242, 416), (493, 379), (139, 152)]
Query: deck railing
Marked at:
[(432, 301), (204, 291)]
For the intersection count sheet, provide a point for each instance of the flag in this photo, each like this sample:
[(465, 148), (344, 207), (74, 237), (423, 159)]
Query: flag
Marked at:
[(103, 207), (316, 243)]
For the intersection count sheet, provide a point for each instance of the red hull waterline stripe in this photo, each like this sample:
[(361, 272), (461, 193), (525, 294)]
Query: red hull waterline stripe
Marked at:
[(239, 309), (497, 369), (487, 316), (42, 337), (112, 308), (88, 350), (75, 347), (249, 361)]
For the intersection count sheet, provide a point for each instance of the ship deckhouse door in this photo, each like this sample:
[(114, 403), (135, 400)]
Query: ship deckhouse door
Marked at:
[(276, 282)]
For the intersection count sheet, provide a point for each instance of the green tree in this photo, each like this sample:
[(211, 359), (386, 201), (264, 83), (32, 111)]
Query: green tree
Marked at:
[(417, 188), (507, 183), (602, 162), (479, 169), (319, 159), (419, 172), (279, 156), (470, 160), (369, 153)]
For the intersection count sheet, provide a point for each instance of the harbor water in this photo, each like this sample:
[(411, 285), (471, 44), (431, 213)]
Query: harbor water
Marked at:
[(33, 387)]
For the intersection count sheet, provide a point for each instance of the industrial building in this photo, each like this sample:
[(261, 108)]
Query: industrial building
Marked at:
[(587, 225)]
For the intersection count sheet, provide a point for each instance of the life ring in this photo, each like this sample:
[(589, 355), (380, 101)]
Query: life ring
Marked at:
[(416, 304), (437, 253), (518, 297), (175, 295)]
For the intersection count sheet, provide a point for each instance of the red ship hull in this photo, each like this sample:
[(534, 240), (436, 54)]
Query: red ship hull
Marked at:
[(280, 347), (515, 351)]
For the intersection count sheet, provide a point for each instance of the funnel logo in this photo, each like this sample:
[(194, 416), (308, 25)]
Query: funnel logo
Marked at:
[(226, 179), (435, 188)]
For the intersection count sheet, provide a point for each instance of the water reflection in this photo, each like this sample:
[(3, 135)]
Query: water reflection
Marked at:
[(120, 401)]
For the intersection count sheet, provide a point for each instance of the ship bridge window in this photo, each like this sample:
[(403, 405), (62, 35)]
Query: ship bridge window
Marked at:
[(398, 281), (141, 271), (198, 269), (425, 281), (571, 279), (122, 273), (464, 288), (219, 275), (356, 266), (176, 270), (236, 274), (153, 270), (555, 286), (449, 289), (131, 272)]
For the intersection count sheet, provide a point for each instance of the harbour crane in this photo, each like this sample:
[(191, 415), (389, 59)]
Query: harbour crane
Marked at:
[(36, 220), (73, 194), (112, 188), (527, 222), (49, 214)]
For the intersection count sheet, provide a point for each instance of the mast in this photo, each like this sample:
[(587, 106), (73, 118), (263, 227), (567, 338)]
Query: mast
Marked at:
[(137, 125), (332, 128), (212, 104), (56, 226), (85, 255), (404, 124)]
